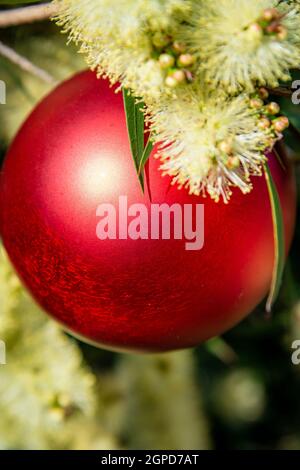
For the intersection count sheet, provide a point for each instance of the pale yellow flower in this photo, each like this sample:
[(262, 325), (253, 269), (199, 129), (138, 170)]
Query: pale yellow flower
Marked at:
[(194, 63), (117, 37), (210, 142), (232, 48)]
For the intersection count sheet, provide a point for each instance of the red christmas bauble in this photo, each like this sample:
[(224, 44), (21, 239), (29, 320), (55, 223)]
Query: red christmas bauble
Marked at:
[(70, 158)]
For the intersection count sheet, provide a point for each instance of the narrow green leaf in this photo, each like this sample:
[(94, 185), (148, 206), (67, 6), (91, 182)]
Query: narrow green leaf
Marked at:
[(279, 245), (145, 155), (135, 127), (219, 348)]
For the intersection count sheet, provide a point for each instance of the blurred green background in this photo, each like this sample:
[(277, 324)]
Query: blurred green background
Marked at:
[(236, 392)]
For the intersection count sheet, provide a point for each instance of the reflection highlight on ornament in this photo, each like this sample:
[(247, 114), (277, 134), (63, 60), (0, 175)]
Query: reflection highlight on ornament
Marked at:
[(100, 175)]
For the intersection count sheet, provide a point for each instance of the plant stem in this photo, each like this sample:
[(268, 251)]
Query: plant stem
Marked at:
[(25, 64), (18, 16), (281, 91)]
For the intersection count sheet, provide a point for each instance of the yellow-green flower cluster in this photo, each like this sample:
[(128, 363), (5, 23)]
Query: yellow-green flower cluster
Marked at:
[(199, 66), (121, 38), (212, 142), (242, 43)]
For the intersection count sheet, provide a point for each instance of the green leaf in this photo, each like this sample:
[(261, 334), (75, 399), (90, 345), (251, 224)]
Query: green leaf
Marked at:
[(279, 245), (219, 348), (135, 126), (146, 154)]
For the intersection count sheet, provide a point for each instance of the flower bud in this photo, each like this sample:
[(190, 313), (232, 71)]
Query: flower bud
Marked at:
[(256, 103), (273, 108), (264, 123), (166, 61), (160, 40), (233, 163), (272, 28), (179, 75), (171, 82), (281, 124), (178, 47), (263, 93), (282, 32), (189, 76), (256, 30), (186, 60), (226, 146), (270, 14)]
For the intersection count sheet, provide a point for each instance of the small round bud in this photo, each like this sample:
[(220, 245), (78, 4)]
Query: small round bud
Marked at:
[(273, 108), (160, 40), (270, 14), (178, 47), (189, 76), (281, 32), (226, 146), (272, 28), (233, 163), (171, 82), (281, 124), (186, 60), (256, 30), (256, 103), (166, 61), (264, 123), (179, 76), (263, 93)]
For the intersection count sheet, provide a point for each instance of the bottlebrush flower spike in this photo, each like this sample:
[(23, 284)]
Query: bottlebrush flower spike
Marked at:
[(211, 142), (174, 55), (123, 39), (242, 43)]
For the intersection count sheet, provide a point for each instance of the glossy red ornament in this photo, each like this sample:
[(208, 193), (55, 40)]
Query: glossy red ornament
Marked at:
[(72, 154)]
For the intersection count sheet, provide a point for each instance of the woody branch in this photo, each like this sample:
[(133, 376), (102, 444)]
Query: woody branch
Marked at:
[(18, 16)]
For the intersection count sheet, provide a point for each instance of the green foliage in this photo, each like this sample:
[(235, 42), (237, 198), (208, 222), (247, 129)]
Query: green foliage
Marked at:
[(279, 242), (135, 127)]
